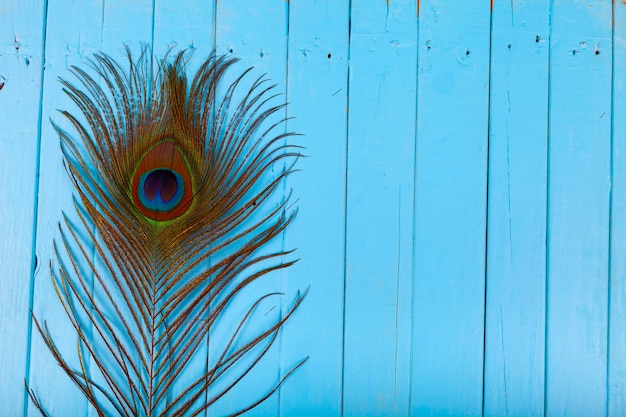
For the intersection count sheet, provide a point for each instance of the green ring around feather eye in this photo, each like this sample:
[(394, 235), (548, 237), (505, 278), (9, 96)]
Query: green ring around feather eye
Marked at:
[(156, 178)]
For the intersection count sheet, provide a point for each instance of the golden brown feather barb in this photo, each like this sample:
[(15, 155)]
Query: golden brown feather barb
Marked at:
[(174, 183)]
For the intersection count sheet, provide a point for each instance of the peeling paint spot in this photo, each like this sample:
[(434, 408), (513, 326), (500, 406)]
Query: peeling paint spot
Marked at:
[(537, 39), (27, 60), (329, 55), (2, 79), (172, 45)]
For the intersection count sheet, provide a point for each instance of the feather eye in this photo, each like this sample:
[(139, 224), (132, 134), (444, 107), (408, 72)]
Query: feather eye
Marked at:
[(171, 175), (162, 188)]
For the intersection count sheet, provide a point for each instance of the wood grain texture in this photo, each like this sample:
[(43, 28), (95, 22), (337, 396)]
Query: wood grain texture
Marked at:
[(259, 38), (317, 89), (21, 52), (69, 41), (579, 161), (617, 273), (516, 241), (379, 207), (451, 208)]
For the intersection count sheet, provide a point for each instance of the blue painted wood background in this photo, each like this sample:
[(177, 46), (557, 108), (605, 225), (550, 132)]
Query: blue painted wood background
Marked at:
[(462, 221)]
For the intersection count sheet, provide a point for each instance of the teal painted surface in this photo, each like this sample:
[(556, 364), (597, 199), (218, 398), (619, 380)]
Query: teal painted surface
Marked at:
[(462, 209), (579, 164), (516, 234)]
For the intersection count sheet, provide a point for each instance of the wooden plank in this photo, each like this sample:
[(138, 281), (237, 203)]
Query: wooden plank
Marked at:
[(379, 207), (102, 26), (317, 93), (516, 241), (68, 40), (578, 216), (21, 66), (617, 284), (187, 28), (124, 23), (453, 104), (255, 33)]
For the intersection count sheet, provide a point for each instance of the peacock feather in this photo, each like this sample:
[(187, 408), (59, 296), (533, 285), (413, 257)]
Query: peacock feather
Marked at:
[(174, 180)]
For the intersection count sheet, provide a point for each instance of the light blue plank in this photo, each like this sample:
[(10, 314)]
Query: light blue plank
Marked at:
[(68, 40), (379, 205), (21, 37), (617, 334), (130, 23), (317, 93), (516, 258), (102, 26), (453, 103), (578, 216), (187, 28), (257, 34), (124, 23)]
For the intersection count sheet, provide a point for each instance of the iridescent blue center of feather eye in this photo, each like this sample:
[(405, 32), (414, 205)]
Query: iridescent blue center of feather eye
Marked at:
[(161, 189)]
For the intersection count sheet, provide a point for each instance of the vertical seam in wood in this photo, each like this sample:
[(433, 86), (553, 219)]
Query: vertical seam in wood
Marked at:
[(547, 242), (152, 31), (415, 214), (214, 20), (102, 24), (207, 362), (486, 254), (610, 237), (284, 285), (36, 207), (345, 217)]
